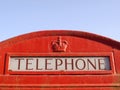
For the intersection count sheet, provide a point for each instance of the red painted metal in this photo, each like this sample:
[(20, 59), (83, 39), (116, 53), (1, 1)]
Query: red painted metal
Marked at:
[(60, 43)]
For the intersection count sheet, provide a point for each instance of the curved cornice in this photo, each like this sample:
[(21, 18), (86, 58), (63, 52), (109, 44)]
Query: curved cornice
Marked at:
[(86, 35)]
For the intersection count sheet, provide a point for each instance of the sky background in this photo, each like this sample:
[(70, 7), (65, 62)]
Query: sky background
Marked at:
[(100, 17)]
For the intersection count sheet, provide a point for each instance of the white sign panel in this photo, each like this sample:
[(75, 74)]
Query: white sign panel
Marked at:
[(59, 63)]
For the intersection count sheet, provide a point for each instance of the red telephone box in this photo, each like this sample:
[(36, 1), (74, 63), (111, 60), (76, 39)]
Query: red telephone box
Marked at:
[(59, 60)]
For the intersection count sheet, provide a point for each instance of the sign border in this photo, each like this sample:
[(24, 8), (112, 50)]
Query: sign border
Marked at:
[(62, 54)]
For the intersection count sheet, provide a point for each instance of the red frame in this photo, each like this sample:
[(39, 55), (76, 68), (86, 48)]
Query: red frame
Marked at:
[(107, 54)]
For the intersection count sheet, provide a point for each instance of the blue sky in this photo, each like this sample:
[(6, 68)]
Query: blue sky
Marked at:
[(96, 16)]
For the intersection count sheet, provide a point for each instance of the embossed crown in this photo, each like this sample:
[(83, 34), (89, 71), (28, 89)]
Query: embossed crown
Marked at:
[(59, 45)]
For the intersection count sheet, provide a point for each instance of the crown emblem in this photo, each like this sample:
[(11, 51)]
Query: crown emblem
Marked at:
[(59, 45)]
